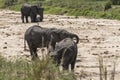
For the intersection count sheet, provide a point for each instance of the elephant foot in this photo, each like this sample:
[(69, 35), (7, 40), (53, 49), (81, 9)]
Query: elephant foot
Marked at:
[(22, 21), (35, 58)]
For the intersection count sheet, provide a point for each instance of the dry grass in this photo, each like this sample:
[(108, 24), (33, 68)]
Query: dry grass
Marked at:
[(40, 69), (103, 70)]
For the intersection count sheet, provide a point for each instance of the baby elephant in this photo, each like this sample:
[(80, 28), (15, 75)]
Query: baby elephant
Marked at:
[(65, 52)]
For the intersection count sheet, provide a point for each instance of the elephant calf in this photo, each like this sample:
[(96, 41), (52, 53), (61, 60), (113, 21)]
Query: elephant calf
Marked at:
[(65, 52)]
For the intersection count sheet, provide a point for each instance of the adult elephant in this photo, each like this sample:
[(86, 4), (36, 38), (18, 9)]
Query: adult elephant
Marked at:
[(32, 11), (38, 37)]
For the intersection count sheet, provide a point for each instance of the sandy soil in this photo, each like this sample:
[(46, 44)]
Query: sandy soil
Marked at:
[(97, 37)]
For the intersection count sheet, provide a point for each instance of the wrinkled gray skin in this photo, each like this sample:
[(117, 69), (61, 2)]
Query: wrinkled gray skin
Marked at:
[(65, 51), (38, 37), (32, 11)]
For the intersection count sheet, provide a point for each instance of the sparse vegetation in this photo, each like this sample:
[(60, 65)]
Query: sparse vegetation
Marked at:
[(42, 69), (115, 2), (88, 8), (103, 70)]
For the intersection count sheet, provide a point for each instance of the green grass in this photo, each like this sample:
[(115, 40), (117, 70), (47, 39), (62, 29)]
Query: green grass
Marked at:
[(22, 69), (55, 10), (19, 70), (87, 8)]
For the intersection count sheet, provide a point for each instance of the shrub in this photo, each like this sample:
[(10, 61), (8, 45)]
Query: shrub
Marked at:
[(115, 2), (108, 5), (10, 2)]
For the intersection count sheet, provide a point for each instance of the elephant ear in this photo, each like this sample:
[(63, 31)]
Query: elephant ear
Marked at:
[(55, 36), (75, 37), (40, 10), (34, 9), (62, 34)]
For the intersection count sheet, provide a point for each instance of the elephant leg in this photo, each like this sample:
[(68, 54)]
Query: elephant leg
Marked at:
[(34, 19), (26, 18), (72, 66), (58, 62), (35, 52), (73, 63), (65, 66), (31, 50), (34, 55), (22, 17), (41, 17), (53, 45)]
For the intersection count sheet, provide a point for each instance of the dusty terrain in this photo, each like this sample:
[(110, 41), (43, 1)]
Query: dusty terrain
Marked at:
[(97, 37)]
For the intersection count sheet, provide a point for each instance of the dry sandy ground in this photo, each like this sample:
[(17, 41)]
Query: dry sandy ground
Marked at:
[(97, 37)]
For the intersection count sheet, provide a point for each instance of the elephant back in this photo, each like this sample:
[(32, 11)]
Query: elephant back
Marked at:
[(25, 9), (65, 43)]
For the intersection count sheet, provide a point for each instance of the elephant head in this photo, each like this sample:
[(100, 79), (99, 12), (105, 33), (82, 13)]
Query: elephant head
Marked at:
[(38, 10), (58, 35), (34, 9), (34, 12)]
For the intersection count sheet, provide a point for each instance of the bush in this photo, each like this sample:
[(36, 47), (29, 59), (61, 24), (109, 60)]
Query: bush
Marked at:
[(10, 2), (115, 2), (108, 5)]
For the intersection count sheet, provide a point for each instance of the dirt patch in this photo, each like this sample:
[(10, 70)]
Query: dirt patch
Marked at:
[(97, 37)]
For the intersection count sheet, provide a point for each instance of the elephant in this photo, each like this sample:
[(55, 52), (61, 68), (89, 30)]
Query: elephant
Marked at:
[(38, 37), (32, 11), (66, 53)]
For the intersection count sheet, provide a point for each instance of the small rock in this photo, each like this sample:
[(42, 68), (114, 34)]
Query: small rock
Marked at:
[(5, 47), (8, 34), (78, 60), (106, 52), (5, 42), (77, 66)]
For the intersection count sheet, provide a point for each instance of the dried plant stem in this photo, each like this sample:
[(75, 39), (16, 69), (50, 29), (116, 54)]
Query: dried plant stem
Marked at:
[(101, 67), (113, 72), (105, 73)]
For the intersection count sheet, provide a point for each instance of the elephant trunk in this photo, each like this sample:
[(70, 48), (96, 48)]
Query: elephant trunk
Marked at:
[(77, 38), (52, 54), (40, 12)]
